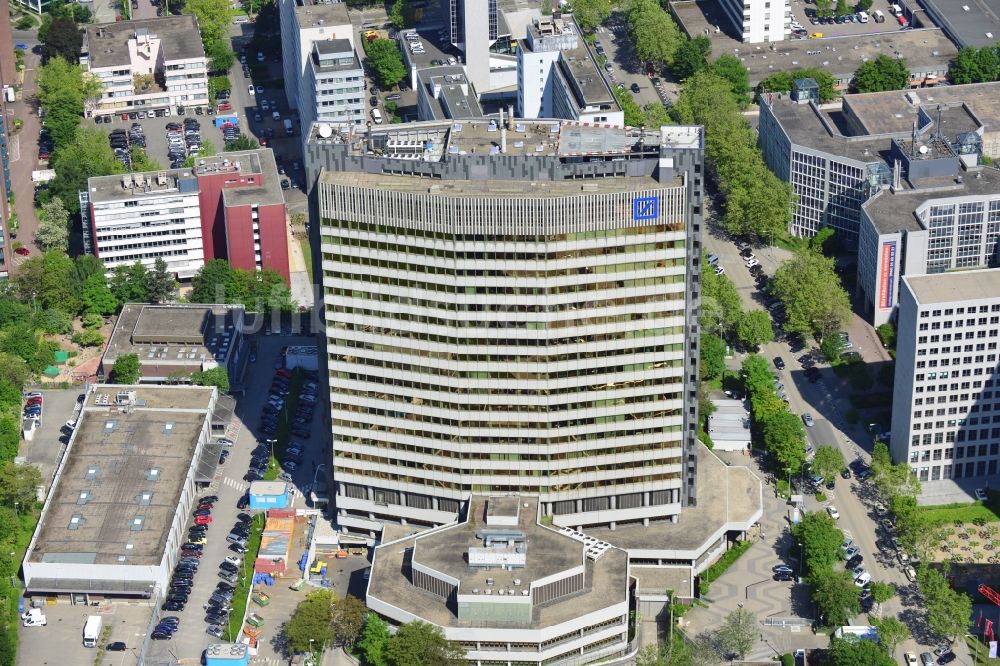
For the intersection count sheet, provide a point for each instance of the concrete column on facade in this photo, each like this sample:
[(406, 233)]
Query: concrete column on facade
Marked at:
[(611, 526), (645, 522), (614, 502), (579, 506), (645, 498), (402, 498), (434, 504)]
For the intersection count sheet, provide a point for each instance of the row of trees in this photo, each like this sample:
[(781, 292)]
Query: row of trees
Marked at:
[(880, 74), (781, 82), (260, 291), (723, 317), (783, 434), (758, 204), (386, 62)]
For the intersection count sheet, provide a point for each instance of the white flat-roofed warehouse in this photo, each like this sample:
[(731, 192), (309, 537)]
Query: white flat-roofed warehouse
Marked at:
[(121, 495)]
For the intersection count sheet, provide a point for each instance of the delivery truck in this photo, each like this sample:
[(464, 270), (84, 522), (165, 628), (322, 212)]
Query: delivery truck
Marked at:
[(92, 630)]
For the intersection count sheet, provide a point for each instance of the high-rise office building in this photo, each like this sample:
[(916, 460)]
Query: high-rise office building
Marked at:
[(474, 27), (511, 307), (760, 20), (946, 395)]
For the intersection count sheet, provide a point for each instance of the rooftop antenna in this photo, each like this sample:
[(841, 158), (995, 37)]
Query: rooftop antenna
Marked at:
[(913, 139), (938, 134)]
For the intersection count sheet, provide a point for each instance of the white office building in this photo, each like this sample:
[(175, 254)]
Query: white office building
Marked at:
[(143, 217), (147, 64), (335, 84), (946, 397), (558, 76), (759, 21), (473, 26), (952, 225), (303, 23)]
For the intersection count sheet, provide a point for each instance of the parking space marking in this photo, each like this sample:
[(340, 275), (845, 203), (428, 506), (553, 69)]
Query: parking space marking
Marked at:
[(233, 483)]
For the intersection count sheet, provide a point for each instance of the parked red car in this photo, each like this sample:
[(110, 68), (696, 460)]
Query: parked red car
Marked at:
[(202, 520), (23, 251), (225, 106)]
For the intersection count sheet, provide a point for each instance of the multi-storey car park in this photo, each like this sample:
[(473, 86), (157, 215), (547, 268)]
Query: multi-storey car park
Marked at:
[(511, 307)]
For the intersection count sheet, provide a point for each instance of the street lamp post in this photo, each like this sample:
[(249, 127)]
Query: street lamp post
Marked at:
[(788, 470), (802, 556)]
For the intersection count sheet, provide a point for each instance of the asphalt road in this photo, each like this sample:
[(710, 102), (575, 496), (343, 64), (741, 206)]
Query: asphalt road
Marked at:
[(613, 36), (825, 400)]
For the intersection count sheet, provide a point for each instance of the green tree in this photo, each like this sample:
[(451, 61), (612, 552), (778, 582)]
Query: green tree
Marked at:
[(738, 633), (396, 15), (386, 62), (141, 161), (782, 82), (213, 17), (97, 297), (13, 371), (832, 347), (721, 304), (949, 611), (54, 322), (590, 13), (220, 56), (129, 284), (309, 626), (821, 540), (374, 641), (882, 592), (824, 8), (691, 57), (973, 65), (213, 283), (217, 84), (713, 357), (126, 369), (62, 39), (852, 651), (655, 36), (753, 329), (242, 142), (892, 480), (269, 292), (218, 377), (19, 485), (348, 619), (88, 155), (160, 284), (864, 5), (53, 226), (421, 644), (809, 288), (21, 340), (655, 115), (842, 8), (92, 320), (891, 632), (828, 462), (836, 597), (731, 69), (56, 288), (631, 111), (881, 74), (785, 438)]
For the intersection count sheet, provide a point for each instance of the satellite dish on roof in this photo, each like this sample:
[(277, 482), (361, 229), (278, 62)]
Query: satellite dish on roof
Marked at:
[(923, 150), (325, 131)]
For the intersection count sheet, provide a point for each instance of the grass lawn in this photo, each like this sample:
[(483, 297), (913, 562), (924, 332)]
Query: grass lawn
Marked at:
[(307, 254), (951, 514), (978, 649), (242, 594)]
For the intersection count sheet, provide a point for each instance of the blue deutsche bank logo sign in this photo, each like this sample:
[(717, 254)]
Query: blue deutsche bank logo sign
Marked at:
[(645, 208)]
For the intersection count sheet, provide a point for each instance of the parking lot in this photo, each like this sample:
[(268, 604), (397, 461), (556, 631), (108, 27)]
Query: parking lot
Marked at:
[(59, 643), (229, 486), (46, 448), (804, 13)]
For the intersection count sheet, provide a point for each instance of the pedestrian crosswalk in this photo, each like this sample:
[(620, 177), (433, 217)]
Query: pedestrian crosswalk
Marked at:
[(233, 483), (267, 661)]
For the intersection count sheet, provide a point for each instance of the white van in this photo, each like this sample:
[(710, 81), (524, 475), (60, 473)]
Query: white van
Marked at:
[(896, 9), (879, 16), (862, 17), (377, 116)]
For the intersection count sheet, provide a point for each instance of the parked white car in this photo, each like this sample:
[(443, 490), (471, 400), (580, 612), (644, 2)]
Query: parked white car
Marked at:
[(832, 510)]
